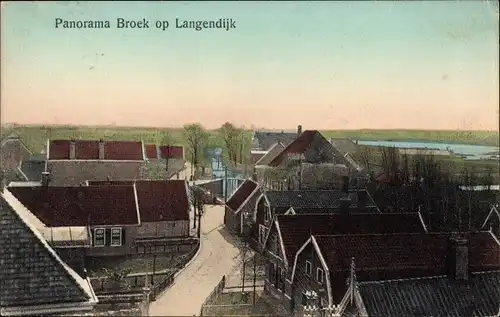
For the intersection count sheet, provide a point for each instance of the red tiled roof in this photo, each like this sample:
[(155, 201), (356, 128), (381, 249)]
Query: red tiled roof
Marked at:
[(299, 146), (172, 152), (123, 150), (59, 150), (86, 150), (396, 255), (80, 206), (159, 200), (151, 151), (89, 150), (241, 194), (295, 230)]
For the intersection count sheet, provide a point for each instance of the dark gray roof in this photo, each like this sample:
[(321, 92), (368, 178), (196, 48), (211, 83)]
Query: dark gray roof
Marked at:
[(268, 139), (33, 169), (433, 296), (316, 199), (30, 273)]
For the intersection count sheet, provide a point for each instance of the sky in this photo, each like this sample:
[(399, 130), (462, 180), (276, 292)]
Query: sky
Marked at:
[(324, 65)]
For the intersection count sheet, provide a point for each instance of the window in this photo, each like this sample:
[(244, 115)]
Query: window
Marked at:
[(308, 268), (280, 281), (319, 275), (266, 216), (116, 237), (99, 237), (262, 234)]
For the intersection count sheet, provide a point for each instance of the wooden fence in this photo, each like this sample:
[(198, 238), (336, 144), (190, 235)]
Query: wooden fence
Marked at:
[(212, 298), (134, 283)]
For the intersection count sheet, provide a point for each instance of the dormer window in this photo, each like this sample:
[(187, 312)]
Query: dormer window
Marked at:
[(320, 275)]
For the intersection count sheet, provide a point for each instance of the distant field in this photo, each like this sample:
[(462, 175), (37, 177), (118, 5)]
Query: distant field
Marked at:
[(465, 137), (36, 136)]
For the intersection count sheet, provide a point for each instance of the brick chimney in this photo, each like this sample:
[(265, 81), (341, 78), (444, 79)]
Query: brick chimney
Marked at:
[(101, 149), (45, 178), (459, 258), (299, 130), (72, 149)]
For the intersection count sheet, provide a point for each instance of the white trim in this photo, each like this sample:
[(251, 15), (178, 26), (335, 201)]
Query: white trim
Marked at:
[(241, 223), (495, 238), (290, 212), (493, 209), (371, 198), (269, 153), (422, 221), (143, 147), (322, 275), (84, 286), (136, 205), (254, 216), (358, 300), (22, 173), (246, 199), (18, 139), (119, 229), (94, 236), (308, 272), (285, 259)]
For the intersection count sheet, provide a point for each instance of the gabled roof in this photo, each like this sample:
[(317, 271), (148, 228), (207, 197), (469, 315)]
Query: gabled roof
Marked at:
[(81, 205), (298, 146), (296, 229), (267, 139), (493, 213), (276, 149), (14, 137), (343, 145), (403, 255), (89, 150), (34, 279), (158, 200), (310, 200), (433, 296), (242, 194)]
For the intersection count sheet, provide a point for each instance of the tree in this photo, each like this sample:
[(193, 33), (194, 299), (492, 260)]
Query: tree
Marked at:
[(233, 142), (196, 137)]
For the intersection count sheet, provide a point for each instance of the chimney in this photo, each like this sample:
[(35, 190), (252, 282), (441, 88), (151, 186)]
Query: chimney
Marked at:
[(101, 149), (459, 259), (299, 130), (72, 149), (45, 178), (345, 184)]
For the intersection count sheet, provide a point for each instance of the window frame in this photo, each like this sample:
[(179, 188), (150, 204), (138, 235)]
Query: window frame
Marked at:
[(115, 229), (95, 244), (322, 275), (308, 265)]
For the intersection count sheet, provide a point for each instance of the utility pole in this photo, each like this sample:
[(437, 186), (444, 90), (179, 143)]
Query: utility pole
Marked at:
[(225, 183), (200, 207)]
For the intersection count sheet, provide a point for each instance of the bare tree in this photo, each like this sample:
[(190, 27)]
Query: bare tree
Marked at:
[(196, 137)]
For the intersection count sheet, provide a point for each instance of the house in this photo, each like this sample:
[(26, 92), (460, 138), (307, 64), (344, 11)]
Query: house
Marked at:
[(264, 140), (12, 153), (288, 233), (164, 161), (307, 158), (347, 274), (119, 216), (241, 205), (291, 202), (72, 162), (34, 280), (164, 207)]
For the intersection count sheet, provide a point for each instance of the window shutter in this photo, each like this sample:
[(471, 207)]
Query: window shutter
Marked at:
[(123, 236), (107, 235)]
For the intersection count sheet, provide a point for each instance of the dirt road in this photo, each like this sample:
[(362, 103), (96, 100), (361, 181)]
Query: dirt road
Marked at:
[(217, 257)]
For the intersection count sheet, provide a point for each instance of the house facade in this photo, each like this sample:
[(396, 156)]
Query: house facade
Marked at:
[(311, 161), (34, 279), (288, 233), (119, 216), (240, 207)]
